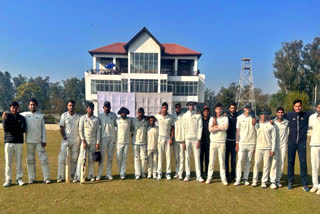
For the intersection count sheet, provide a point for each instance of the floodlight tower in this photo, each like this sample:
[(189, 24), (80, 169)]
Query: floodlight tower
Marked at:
[(245, 92)]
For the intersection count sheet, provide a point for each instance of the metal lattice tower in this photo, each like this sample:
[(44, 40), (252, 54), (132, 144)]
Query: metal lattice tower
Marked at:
[(245, 92)]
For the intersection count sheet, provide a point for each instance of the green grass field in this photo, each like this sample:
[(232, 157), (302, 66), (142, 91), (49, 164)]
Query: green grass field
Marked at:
[(146, 196)]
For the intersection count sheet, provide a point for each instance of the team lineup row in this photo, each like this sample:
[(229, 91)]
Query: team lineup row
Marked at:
[(227, 134)]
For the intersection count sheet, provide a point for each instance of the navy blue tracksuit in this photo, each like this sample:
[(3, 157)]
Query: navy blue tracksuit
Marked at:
[(298, 128)]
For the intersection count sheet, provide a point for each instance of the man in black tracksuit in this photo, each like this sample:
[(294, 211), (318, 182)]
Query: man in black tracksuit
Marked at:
[(205, 141), (298, 128), (14, 125)]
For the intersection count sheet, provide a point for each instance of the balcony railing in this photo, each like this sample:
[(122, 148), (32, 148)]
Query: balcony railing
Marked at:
[(107, 71)]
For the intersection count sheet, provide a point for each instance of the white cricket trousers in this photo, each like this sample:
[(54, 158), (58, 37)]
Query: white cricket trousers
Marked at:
[(179, 157), (192, 145), (106, 145), (11, 150), (31, 161), (140, 159), (164, 149), (122, 156), (245, 153), (90, 150), (152, 163), (74, 149), (262, 155), (220, 149), (315, 159), (277, 165)]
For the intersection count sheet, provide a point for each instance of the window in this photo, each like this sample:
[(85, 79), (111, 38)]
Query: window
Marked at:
[(163, 86), (124, 85), (105, 85), (179, 88), (144, 86), (144, 63)]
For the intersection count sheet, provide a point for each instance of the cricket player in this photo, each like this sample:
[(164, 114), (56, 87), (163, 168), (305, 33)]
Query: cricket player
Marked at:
[(165, 140), (245, 144), (139, 142), (192, 127), (36, 141), (125, 127), (108, 122), (282, 132), (69, 130), (265, 147), (89, 131), (314, 124), (205, 142), (218, 126), (153, 134), (178, 139), (14, 125)]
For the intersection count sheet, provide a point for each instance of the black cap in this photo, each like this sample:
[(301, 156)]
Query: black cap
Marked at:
[(247, 105), (141, 110), (124, 109), (107, 104)]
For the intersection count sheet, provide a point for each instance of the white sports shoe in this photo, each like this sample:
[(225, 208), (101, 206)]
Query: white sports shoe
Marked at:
[(237, 183), (149, 176), (246, 183), (175, 176), (208, 181), (254, 184), (143, 175), (98, 178), (273, 186), (109, 177), (75, 181), (168, 176), (314, 189), (59, 180), (264, 185), (7, 184), (200, 179), (180, 177), (48, 181), (137, 177), (154, 176), (159, 177), (225, 183), (186, 179), (318, 192), (20, 182), (31, 182), (122, 177)]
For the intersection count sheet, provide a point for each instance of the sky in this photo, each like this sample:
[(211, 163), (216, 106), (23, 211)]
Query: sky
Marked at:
[(52, 38)]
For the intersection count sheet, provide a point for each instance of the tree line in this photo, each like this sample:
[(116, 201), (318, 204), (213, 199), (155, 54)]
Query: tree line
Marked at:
[(52, 96)]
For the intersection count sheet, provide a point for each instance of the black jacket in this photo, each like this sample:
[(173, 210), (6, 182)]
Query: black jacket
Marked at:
[(298, 127), (205, 137), (14, 127)]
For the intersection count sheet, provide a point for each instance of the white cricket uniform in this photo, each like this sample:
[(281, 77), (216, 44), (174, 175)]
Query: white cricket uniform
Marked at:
[(165, 125), (247, 144), (89, 131), (71, 129), (35, 135), (278, 159), (152, 147), (125, 127), (218, 146), (266, 142), (177, 144), (314, 124), (192, 129), (108, 123), (139, 142)]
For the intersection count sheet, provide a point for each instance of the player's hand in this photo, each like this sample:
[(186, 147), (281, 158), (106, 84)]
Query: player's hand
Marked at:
[(198, 144), (97, 146), (254, 121), (43, 144), (237, 146), (271, 122), (170, 142), (4, 115), (183, 146), (214, 121), (271, 153), (64, 138)]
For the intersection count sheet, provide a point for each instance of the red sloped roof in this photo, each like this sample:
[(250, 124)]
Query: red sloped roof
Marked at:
[(169, 49)]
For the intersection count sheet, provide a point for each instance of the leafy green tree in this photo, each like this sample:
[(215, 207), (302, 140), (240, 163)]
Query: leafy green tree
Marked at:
[(227, 95), (6, 90), (19, 80), (294, 95), (25, 92), (57, 98), (44, 95), (74, 89)]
